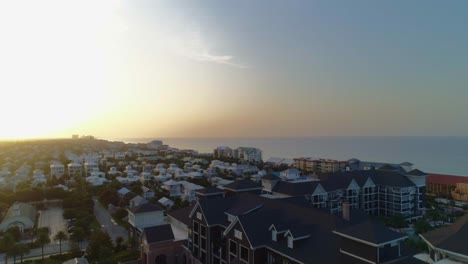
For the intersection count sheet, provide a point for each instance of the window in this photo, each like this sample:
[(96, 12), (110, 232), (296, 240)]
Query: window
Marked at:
[(244, 254), (290, 242), (273, 235), (196, 227), (238, 234), (232, 248), (195, 239), (231, 218), (199, 215), (203, 243), (203, 230)]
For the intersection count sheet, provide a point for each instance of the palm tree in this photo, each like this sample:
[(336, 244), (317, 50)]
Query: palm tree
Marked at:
[(22, 250), (60, 236), (6, 243), (42, 239)]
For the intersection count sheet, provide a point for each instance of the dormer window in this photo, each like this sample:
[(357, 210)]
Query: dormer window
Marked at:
[(231, 218), (274, 235), (290, 242)]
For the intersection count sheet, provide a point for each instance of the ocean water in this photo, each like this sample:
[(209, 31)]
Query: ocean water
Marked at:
[(431, 154)]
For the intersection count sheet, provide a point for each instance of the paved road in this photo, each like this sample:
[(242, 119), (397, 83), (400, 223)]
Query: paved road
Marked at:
[(53, 219), (108, 223)]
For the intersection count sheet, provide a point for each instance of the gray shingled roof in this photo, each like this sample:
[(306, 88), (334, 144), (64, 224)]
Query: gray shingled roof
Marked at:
[(145, 208), (158, 233), (240, 185)]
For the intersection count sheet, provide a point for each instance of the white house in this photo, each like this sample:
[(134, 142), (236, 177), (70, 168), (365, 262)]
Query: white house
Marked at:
[(38, 178), (163, 177), (123, 191), (173, 187), (144, 215), (91, 166), (57, 170), (75, 169), (290, 174), (137, 200), (113, 171), (168, 203), (147, 192), (189, 190)]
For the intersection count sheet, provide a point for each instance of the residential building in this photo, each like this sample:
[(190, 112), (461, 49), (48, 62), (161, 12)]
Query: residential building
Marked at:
[(147, 192), (377, 192), (168, 203), (319, 165), (137, 200), (248, 154), (290, 174), (161, 245), (57, 170), (210, 193), (189, 190), (443, 184), (223, 152), (242, 186), (21, 215), (144, 215), (449, 243), (173, 187), (461, 192), (252, 229), (75, 169)]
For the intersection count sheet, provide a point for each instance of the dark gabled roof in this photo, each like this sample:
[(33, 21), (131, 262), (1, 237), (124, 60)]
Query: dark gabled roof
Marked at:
[(240, 185), (182, 215), (158, 233), (145, 208), (416, 172), (295, 189), (379, 177), (210, 190), (270, 177), (453, 238), (387, 167), (337, 181), (371, 231)]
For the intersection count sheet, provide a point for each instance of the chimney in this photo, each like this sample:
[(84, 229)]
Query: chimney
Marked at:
[(346, 208)]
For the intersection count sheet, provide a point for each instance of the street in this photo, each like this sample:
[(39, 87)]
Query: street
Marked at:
[(107, 223)]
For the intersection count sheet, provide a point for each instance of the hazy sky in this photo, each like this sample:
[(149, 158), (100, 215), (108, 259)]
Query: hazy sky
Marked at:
[(243, 68)]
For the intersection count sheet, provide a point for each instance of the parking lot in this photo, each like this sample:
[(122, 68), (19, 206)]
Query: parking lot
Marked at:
[(53, 219)]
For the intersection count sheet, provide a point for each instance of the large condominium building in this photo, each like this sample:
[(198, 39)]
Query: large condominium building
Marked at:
[(241, 153), (442, 184), (319, 165), (247, 229), (461, 192), (377, 192)]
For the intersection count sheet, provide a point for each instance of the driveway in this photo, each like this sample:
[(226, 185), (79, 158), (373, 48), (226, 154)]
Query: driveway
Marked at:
[(53, 219), (107, 223)]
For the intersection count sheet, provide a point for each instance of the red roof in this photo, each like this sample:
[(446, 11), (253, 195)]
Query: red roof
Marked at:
[(446, 179)]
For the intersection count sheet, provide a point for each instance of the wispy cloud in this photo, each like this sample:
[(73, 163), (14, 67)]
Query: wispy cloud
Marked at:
[(193, 45), (221, 59)]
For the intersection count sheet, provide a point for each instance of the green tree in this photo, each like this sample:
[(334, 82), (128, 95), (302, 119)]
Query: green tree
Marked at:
[(78, 234), (100, 246), (60, 236), (22, 250), (43, 239), (6, 244), (422, 226)]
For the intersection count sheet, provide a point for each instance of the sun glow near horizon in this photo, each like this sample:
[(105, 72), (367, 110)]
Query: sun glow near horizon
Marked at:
[(53, 64)]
